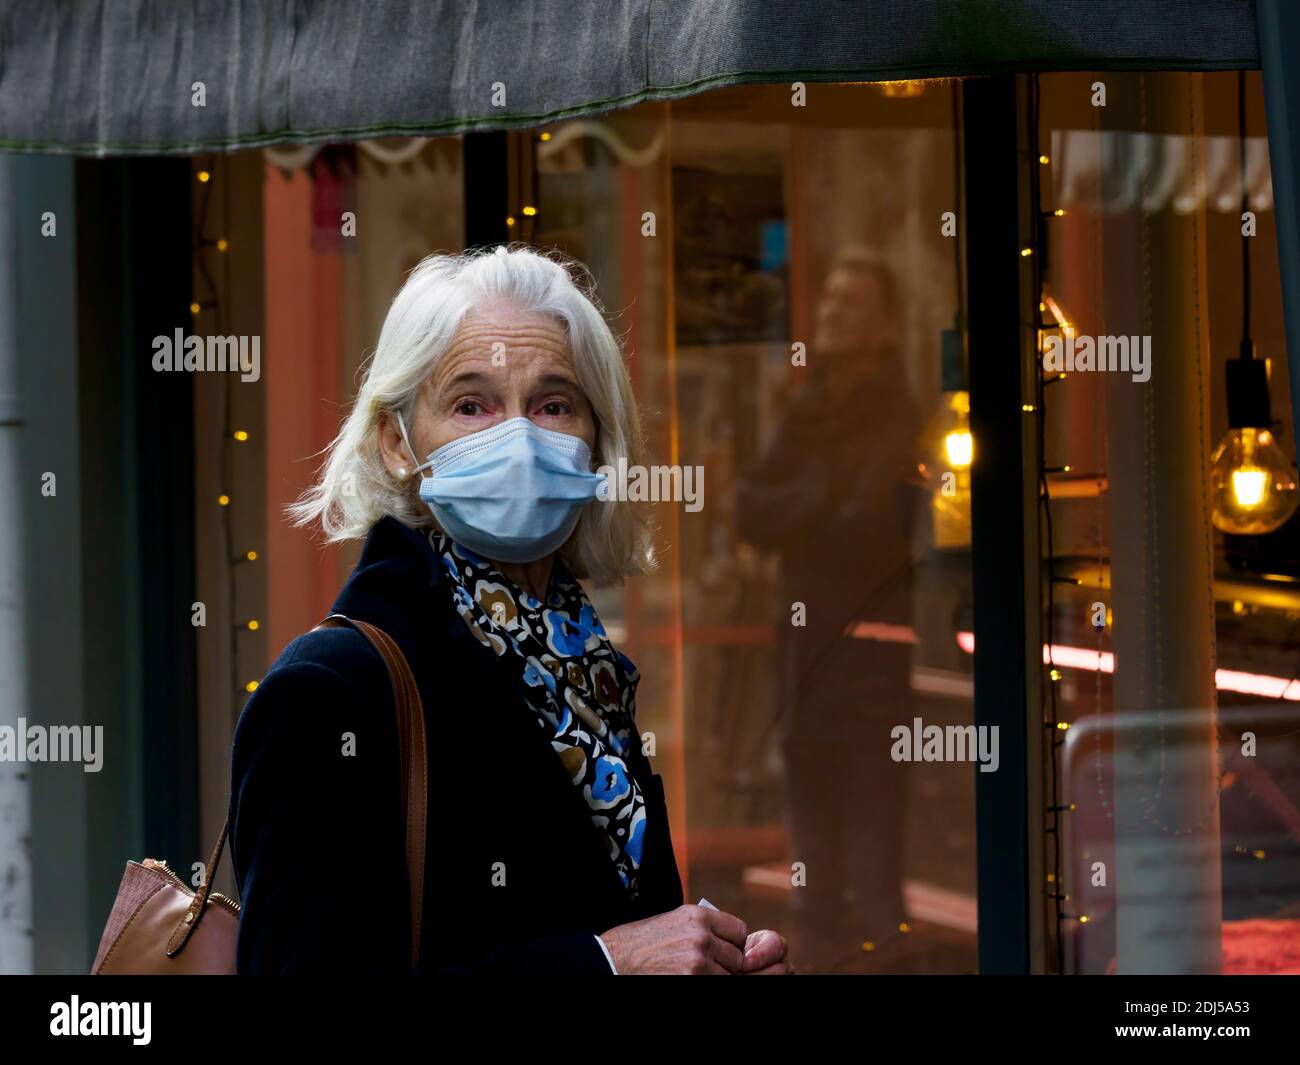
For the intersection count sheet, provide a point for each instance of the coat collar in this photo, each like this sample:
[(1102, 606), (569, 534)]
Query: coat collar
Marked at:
[(396, 585)]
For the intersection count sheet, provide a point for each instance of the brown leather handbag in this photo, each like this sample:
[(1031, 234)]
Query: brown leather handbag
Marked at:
[(159, 926)]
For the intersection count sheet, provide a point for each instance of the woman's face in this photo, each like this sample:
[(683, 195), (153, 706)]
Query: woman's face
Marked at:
[(504, 363)]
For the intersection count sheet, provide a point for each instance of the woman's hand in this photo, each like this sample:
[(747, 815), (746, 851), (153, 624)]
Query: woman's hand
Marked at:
[(687, 941), (765, 955)]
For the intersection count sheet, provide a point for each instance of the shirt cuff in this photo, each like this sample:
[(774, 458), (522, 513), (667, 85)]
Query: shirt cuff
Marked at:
[(608, 957)]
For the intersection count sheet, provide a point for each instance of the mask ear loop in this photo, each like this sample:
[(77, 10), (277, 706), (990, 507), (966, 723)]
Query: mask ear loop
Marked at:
[(402, 472)]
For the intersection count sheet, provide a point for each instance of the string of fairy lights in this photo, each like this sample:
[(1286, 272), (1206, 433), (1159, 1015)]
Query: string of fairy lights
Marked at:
[(208, 303), (1055, 319)]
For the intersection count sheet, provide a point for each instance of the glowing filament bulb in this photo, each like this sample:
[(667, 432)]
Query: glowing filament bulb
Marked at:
[(959, 447), (1249, 486)]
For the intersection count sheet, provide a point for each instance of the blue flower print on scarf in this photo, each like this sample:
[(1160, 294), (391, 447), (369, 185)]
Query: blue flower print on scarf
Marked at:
[(636, 837), (610, 784), (569, 638), (538, 677)]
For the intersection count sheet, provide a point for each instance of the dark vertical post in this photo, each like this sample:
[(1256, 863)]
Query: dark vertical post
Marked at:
[(1279, 29), (155, 286), (487, 199), (137, 516), (1004, 522)]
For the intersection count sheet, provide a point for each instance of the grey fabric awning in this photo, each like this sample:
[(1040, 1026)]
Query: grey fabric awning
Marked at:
[(123, 77)]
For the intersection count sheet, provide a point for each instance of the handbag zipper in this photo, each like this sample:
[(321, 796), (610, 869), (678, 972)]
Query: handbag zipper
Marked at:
[(160, 866)]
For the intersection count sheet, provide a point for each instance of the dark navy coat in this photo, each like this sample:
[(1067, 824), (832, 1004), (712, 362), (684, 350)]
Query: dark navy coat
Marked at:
[(316, 835)]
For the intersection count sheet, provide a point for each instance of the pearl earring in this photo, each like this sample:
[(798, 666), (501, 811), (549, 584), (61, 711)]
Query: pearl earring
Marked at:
[(401, 473)]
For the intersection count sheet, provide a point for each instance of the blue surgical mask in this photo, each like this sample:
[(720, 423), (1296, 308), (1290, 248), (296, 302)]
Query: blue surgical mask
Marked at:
[(512, 493)]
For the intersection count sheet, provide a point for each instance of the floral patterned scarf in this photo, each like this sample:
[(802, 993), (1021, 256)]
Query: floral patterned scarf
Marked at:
[(582, 691)]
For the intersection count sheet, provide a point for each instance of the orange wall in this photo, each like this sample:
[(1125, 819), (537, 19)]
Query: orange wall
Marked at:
[(301, 367)]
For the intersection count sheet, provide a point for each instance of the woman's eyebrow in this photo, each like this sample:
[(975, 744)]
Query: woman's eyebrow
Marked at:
[(473, 378), (556, 380)]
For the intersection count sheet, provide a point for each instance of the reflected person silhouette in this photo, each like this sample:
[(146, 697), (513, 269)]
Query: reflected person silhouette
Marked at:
[(829, 496)]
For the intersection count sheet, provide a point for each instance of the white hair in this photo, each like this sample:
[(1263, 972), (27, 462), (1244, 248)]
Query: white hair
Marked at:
[(355, 488)]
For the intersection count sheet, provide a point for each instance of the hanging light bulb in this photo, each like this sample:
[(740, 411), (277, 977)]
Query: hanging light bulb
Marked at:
[(1252, 482), (958, 443), (950, 501), (951, 451)]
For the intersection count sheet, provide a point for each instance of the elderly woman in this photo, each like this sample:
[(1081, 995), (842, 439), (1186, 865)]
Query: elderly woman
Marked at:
[(467, 463)]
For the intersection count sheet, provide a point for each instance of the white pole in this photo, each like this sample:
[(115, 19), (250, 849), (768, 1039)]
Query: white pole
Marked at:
[(1166, 879), (15, 809)]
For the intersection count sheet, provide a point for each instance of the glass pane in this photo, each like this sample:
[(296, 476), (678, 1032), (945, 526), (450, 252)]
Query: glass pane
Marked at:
[(785, 323), (1176, 817)]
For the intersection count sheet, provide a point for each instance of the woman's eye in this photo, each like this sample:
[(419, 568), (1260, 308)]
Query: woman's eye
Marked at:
[(556, 408), (469, 407)]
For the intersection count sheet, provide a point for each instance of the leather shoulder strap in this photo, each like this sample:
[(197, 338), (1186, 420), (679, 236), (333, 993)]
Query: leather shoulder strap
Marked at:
[(181, 934), (414, 766), (413, 760)]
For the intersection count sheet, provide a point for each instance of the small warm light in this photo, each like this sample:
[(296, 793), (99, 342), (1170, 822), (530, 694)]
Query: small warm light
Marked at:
[(959, 446), (1056, 674), (904, 927), (1059, 212), (195, 308), (868, 946), (204, 177), (241, 435), (1259, 855), (1238, 607), (530, 211), (1028, 408), (251, 686), (546, 136), (1044, 159), (1084, 919), (510, 219), (223, 244), (955, 450), (1042, 306), (1026, 252), (1051, 878), (1062, 725), (1248, 486), (251, 556), (223, 501), (254, 625)]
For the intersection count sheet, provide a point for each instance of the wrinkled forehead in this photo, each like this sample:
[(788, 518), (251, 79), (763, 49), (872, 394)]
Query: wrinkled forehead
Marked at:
[(502, 343)]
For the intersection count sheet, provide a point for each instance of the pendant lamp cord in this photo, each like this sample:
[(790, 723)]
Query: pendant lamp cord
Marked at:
[(1247, 349)]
